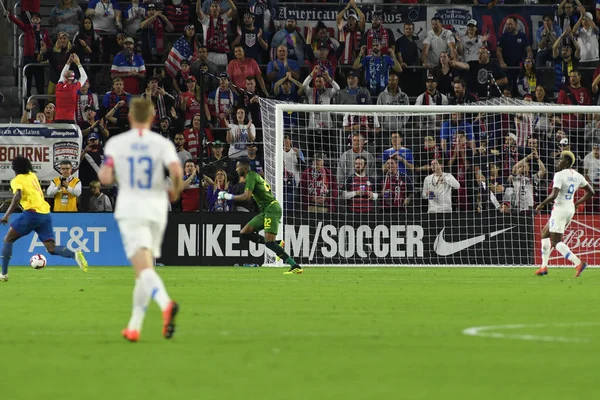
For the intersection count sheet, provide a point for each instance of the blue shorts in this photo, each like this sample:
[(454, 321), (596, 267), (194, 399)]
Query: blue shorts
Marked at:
[(29, 221)]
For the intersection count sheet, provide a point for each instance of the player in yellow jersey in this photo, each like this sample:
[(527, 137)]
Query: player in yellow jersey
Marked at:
[(35, 216)]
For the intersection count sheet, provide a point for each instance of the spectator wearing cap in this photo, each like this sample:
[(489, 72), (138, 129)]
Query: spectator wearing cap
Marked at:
[(438, 40), (378, 33), (320, 41), (348, 94), (431, 96), (178, 13), (512, 48), (35, 40), (565, 61), (318, 187), (66, 91), (350, 32), (251, 38), (134, 14), (546, 35), (242, 67), (407, 53), (529, 78), (85, 98), (215, 26), (190, 101), (257, 162), (281, 65), (587, 39), (293, 158), (164, 103), (57, 57), (468, 45), (393, 96), (182, 153), (180, 80), (293, 41), (152, 34), (216, 161), (485, 76), (65, 17), (91, 125), (283, 92), (323, 58), (91, 159), (241, 131), (377, 66), (221, 103), (107, 18), (129, 66)]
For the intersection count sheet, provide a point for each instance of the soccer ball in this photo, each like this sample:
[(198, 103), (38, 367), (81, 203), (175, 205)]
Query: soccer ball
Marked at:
[(37, 261)]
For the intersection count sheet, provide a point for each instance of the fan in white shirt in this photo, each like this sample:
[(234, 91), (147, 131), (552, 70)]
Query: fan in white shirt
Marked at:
[(566, 183)]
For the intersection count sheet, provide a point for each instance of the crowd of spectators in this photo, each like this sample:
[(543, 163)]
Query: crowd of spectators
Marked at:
[(206, 65)]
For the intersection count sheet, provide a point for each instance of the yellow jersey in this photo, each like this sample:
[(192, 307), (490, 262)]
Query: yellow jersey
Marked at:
[(31, 192)]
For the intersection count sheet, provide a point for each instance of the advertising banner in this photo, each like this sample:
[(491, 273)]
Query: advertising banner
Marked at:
[(582, 236), (493, 20), (45, 145), (451, 239), (96, 234), (454, 18)]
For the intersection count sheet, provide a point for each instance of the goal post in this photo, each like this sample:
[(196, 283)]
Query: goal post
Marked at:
[(387, 185)]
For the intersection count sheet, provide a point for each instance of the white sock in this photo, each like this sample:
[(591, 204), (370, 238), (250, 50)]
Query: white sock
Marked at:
[(141, 298), (155, 287), (565, 251), (546, 250)]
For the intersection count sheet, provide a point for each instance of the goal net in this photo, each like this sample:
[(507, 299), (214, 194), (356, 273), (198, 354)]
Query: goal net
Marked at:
[(425, 185)]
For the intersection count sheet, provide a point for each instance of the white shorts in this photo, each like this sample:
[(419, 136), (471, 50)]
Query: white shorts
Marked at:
[(559, 220), (141, 234)]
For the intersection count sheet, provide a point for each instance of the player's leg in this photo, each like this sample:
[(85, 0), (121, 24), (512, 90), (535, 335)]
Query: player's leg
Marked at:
[(46, 234), (546, 250), (9, 239), (249, 231), (556, 235), (271, 221)]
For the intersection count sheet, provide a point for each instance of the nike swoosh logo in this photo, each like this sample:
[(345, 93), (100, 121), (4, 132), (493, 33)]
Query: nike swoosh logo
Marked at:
[(444, 248)]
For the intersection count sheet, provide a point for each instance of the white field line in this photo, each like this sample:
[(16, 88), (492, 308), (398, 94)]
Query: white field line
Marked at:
[(491, 331)]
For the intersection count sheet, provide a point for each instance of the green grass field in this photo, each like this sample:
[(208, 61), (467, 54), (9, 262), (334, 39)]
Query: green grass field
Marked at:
[(335, 333)]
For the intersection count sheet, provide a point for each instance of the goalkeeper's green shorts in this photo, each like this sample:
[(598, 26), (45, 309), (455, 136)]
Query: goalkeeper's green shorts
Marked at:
[(268, 219)]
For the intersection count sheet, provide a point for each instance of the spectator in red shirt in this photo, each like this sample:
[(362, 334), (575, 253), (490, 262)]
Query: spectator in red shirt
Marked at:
[(241, 67), (575, 95), (66, 91), (318, 187), (33, 37)]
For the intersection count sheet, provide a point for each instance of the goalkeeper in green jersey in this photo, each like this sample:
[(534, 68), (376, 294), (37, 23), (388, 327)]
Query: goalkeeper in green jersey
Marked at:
[(269, 217)]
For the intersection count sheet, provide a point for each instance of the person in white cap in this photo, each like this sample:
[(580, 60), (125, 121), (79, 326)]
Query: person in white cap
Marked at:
[(468, 45)]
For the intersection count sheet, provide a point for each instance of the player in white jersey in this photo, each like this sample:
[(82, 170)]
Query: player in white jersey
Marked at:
[(136, 160), (566, 183)]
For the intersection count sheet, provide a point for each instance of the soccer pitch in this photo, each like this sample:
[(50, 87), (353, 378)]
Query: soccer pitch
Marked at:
[(331, 333)]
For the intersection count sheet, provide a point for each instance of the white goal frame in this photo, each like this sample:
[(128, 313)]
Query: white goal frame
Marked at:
[(282, 107)]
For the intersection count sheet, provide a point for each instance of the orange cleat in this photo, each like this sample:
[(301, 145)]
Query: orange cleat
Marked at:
[(542, 271), (131, 335), (169, 319), (580, 269)]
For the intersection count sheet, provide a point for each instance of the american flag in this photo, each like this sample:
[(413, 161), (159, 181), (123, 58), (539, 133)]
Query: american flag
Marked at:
[(181, 50)]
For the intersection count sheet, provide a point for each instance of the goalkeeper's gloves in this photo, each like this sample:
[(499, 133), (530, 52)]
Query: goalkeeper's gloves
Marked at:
[(225, 196)]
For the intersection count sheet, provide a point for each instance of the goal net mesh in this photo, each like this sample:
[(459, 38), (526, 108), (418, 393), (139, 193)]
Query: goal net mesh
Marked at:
[(381, 188)]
